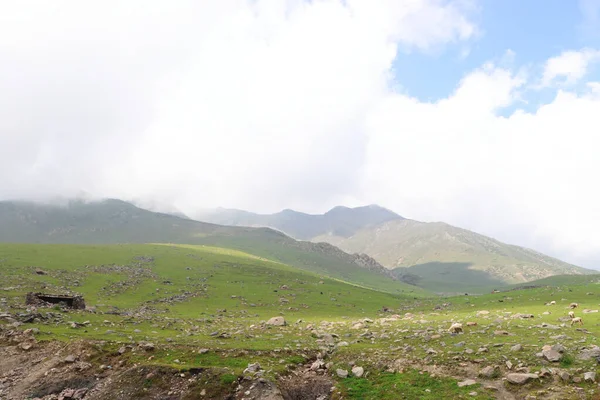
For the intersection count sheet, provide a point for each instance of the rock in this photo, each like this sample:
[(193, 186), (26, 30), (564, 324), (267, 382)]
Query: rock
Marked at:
[(552, 355), (589, 376), (319, 364), (80, 393), (203, 351), (509, 365), (549, 326), (26, 346), (277, 321), (467, 382), (70, 359), (559, 347), (252, 368), (122, 350), (482, 312), (343, 344), (501, 333), (587, 354), (558, 337), (488, 372), (564, 376), (358, 371), (516, 347), (148, 346), (342, 373), (520, 379)]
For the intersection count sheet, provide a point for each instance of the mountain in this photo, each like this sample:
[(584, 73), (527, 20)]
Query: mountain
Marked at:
[(437, 255), (116, 221), (339, 221)]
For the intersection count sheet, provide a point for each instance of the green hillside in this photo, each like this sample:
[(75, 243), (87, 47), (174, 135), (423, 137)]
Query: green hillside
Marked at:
[(209, 279), (115, 221), (442, 257)]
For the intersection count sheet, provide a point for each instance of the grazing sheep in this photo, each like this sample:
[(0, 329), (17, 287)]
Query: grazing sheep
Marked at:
[(455, 328), (573, 305), (571, 314), (552, 302), (577, 320)]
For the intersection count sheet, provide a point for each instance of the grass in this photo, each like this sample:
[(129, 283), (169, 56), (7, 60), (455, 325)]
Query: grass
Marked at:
[(186, 298), (412, 384)]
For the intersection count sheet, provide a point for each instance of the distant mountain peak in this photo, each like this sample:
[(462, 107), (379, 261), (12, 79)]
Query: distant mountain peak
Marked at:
[(339, 221)]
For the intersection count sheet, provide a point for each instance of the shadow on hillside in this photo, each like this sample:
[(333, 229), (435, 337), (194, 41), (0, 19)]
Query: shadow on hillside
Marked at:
[(448, 277)]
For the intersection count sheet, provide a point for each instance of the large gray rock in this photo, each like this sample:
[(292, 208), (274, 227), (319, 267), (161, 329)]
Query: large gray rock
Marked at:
[(467, 382), (587, 354), (552, 355), (520, 379), (488, 372), (516, 347), (277, 321)]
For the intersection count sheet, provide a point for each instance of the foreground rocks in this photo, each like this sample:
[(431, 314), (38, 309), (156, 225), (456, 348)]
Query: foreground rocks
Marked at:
[(520, 379)]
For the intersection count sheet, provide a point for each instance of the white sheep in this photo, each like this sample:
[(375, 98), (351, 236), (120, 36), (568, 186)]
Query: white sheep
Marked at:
[(571, 314), (455, 328), (573, 305), (577, 320)]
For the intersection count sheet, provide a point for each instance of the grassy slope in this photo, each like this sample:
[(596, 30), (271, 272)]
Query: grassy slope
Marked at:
[(114, 221), (218, 274), (214, 273), (425, 246)]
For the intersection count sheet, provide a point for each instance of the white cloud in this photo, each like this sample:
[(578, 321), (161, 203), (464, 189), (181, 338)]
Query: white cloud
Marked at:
[(571, 65), (267, 105)]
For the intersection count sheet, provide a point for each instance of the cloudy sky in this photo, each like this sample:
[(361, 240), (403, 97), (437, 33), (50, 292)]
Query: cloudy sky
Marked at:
[(484, 114)]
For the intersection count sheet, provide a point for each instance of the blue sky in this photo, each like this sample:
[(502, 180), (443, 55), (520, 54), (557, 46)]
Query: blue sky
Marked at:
[(534, 30)]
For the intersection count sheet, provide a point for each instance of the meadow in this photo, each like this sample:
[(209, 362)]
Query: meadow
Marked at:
[(206, 308)]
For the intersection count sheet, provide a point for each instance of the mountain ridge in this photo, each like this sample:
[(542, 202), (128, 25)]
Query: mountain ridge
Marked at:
[(428, 254), (116, 221)]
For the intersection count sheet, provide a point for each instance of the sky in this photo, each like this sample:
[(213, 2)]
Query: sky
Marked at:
[(484, 114)]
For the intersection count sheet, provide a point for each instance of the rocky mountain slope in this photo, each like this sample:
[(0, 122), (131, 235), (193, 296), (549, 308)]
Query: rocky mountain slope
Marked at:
[(436, 255), (427, 247)]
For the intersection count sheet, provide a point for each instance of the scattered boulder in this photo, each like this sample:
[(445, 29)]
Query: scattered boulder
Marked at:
[(564, 376), (520, 378), (589, 376), (488, 372), (252, 368), (516, 347), (551, 355), (358, 371), (70, 359), (467, 382), (277, 321), (589, 353), (342, 373)]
